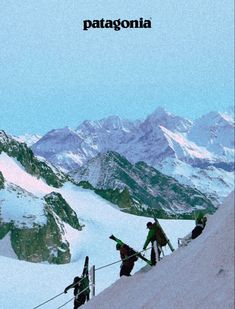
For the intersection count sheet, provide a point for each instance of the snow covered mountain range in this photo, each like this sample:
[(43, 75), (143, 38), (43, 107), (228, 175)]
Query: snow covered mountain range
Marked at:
[(199, 153)]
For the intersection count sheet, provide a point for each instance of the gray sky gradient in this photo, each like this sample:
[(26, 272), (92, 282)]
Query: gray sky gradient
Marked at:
[(53, 74)]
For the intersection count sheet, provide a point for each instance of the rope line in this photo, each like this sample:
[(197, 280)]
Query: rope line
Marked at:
[(127, 258), (66, 303), (75, 296), (47, 301), (99, 268)]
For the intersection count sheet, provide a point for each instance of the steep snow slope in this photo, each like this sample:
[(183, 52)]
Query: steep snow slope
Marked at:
[(14, 172), (198, 276)]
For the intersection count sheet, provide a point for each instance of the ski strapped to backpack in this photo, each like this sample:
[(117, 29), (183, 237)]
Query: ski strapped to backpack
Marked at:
[(167, 239), (85, 267), (85, 278), (134, 251)]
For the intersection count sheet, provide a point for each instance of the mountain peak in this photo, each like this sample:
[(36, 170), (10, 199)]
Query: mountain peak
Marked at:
[(216, 118), (161, 112), (160, 117)]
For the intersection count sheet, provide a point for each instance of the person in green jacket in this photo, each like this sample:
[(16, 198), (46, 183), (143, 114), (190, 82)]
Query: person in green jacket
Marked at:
[(157, 238)]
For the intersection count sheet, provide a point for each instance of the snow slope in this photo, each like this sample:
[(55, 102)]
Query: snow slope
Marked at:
[(198, 276), (212, 181), (24, 285), (14, 172)]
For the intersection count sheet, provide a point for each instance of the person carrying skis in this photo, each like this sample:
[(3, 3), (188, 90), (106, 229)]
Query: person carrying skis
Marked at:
[(128, 259), (79, 285), (157, 238)]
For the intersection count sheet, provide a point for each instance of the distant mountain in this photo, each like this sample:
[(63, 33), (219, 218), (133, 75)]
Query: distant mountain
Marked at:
[(215, 182), (28, 139), (162, 140), (162, 135), (215, 132), (143, 188)]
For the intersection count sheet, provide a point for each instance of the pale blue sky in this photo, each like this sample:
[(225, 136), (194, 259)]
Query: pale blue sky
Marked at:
[(53, 74)]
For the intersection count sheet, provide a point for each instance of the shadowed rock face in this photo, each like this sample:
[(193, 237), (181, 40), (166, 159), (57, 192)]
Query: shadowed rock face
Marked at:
[(1, 181), (62, 209), (42, 243)]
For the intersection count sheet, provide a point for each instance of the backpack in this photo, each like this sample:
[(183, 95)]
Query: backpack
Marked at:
[(85, 284), (132, 252), (160, 237)]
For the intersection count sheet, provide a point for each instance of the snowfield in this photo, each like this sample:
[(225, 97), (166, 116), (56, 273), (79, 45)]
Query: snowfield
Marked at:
[(25, 285)]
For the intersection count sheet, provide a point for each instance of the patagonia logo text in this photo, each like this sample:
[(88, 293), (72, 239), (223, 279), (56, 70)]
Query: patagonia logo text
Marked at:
[(116, 24)]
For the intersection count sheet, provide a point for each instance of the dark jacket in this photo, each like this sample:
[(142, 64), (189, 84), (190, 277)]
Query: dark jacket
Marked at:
[(127, 254), (79, 285), (200, 225), (75, 285)]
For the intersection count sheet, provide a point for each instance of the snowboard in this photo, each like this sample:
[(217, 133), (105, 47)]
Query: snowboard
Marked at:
[(138, 254)]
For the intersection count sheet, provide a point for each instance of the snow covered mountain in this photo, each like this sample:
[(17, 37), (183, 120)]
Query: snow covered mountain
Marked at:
[(159, 139), (39, 223), (215, 182), (28, 139), (143, 188), (34, 208), (215, 132), (32, 220)]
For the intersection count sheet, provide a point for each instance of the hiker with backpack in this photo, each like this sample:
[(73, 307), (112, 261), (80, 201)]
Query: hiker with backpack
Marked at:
[(81, 291), (157, 239), (128, 256)]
